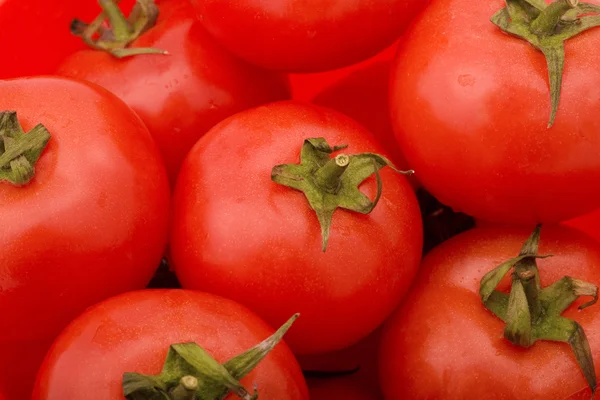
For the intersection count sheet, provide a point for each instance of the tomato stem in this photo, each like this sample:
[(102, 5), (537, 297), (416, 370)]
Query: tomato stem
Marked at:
[(19, 151), (533, 313), (546, 27), (331, 183), (121, 31), (189, 372), (186, 389)]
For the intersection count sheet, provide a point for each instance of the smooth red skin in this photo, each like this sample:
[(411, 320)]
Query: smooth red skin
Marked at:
[(471, 112), (182, 95), (306, 36), (588, 223), (363, 96), (133, 332), (238, 234), (306, 86), (339, 388), (91, 224), (35, 35), (443, 344)]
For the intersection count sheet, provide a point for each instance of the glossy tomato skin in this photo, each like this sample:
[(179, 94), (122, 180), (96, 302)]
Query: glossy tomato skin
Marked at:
[(42, 29), (238, 234), (179, 96), (363, 96), (588, 223), (306, 36), (443, 344), (91, 224), (471, 113), (132, 333)]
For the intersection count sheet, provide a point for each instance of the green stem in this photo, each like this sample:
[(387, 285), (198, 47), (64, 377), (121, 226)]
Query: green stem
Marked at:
[(329, 176), (186, 389), (19, 151), (545, 24), (122, 31)]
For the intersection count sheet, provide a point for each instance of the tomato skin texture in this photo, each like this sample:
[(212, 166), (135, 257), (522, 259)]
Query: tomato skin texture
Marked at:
[(238, 234), (588, 223), (472, 121), (443, 343), (133, 332), (306, 36), (179, 96), (90, 225)]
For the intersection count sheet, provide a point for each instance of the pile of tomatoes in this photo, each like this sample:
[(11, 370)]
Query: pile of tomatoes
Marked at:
[(210, 199)]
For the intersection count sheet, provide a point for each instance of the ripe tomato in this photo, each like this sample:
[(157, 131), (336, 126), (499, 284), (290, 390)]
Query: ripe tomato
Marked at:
[(363, 96), (471, 115), (238, 234), (179, 96), (35, 34), (588, 223), (301, 36), (339, 388), (443, 343), (306, 86), (132, 333), (91, 224)]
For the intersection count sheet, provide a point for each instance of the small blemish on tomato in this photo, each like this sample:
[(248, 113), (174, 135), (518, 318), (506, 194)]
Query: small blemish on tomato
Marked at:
[(466, 80)]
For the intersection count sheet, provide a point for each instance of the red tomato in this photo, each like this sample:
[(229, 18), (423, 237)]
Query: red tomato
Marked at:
[(339, 388), (91, 224), (306, 36), (471, 115), (363, 96), (182, 95), (306, 86), (588, 223), (35, 34), (132, 333), (442, 343), (238, 234)]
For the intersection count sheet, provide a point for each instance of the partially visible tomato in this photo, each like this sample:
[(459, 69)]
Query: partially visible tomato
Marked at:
[(239, 234), (179, 96), (588, 223), (132, 333), (306, 36), (35, 35), (471, 107), (91, 223), (443, 343), (306, 86), (345, 388)]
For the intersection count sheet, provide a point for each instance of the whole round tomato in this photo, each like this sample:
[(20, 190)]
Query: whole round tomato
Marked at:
[(132, 332), (91, 223), (239, 234), (443, 343), (306, 36), (363, 96), (339, 388), (181, 95), (471, 113)]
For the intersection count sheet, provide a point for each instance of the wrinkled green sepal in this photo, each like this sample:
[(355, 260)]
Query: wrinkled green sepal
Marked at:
[(215, 380), (344, 192)]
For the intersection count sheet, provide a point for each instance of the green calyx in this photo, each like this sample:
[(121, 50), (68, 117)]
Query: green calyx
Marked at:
[(329, 183), (121, 31), (534, 313), (190, 373), (19, 151), (547, 27)]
